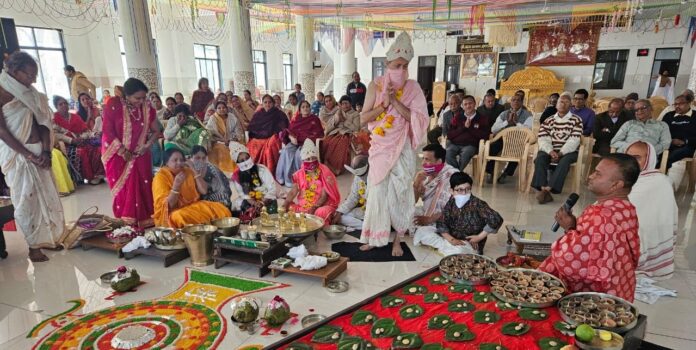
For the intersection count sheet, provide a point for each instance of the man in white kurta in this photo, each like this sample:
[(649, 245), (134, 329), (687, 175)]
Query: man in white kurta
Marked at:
[(25, 156), (351, 212)]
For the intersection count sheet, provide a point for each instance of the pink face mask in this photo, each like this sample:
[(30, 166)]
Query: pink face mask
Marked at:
[(310, 166), (397, 77), (433, 168)]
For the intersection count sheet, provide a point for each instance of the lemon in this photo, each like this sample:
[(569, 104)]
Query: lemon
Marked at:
[(584, 333), (605, 335)]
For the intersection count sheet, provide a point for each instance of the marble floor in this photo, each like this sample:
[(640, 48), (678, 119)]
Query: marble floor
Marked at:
[(30, 292)]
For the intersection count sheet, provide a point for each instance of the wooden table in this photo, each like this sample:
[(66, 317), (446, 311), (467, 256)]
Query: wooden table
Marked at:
[(169, 257), (224, 253), (103, 243), (541, 248), (326, 273)]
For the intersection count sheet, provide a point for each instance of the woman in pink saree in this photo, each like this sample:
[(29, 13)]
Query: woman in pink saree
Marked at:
[(128, 121)]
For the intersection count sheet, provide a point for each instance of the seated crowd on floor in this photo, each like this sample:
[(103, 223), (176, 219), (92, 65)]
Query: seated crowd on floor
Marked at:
[(230, 155)]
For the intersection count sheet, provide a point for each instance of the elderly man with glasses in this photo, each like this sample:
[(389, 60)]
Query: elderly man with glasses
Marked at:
[(643, 128), (682, 128)]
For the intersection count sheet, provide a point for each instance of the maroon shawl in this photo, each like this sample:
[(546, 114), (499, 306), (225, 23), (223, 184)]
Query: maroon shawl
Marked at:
[(308, 127), (266, 124)]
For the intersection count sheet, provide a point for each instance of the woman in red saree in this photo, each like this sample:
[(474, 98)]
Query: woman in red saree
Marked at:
[(314, 190), (264, 141), (201, 99), (126, 153), (88, 112), (304, 125), (81, 143)]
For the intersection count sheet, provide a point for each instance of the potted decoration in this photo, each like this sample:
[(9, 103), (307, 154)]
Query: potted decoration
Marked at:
[(245, 312), (125, 279), (277, 312)]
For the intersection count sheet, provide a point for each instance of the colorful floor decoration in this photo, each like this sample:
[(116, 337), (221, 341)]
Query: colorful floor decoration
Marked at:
[(188, 318), (429, 312)]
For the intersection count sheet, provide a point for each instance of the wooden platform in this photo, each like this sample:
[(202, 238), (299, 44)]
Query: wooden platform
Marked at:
[(326, 273), (168, 257), (102, 243)]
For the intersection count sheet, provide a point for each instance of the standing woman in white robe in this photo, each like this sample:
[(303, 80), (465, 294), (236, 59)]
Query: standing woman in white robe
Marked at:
[(664, 86), (25, 156)]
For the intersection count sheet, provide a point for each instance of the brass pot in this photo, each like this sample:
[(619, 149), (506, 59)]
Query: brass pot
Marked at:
[(199, 241), (227, 226)]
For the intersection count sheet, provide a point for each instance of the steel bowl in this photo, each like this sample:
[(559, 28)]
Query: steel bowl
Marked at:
[(331, 256), (312, 319), (199, 229), (227, 226), (334, 231), (337, 286)]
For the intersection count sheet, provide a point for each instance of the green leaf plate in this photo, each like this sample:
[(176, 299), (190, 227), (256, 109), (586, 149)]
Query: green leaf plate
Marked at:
[(362, 317), (435, 298), (410, 311), (460, 306), (514, 328), (503, 306), (392, 301), (485, 316), (439, 279), (354, 343), (483, 297), (385, 328), (300, 346), (533, 314), (407, 341), (565, 328), (414, 289), (491, 346), (461, 288), (327, 335), (459, 332), (433, 346), (551, 343), (439, 322)]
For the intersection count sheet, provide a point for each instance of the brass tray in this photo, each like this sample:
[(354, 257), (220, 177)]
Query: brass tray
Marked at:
[(475, 281), (314, 225), (501, 297), (621, 329)]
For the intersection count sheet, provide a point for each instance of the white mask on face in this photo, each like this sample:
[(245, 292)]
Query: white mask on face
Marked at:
[(461, 199), (246, 165)]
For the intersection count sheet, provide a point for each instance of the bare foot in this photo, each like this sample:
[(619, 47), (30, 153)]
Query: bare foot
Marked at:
[(396, 250), (36, 255), (366, 247), (55, 249)]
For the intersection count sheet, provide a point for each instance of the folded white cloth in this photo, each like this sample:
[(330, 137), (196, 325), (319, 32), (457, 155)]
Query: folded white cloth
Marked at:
[(312, 262), (137, 242), (649, 293), (298, 252)]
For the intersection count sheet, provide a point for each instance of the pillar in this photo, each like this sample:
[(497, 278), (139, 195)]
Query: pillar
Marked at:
[(692, 77), (242, 66), (137, 40), (344, 68), (304, 35)]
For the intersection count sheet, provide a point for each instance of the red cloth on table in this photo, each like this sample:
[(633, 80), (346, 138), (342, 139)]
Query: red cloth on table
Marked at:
[(601, 254)]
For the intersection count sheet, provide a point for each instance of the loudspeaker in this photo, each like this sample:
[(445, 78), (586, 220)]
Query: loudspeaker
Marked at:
[(8, 38)]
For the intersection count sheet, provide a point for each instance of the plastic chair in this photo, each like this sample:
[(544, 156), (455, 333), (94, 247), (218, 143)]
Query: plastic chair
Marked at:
[(516, 144), (476, 161)]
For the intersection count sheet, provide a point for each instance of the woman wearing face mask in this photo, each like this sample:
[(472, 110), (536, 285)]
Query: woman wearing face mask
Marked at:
[(218, 183), (466, 221), (253, 186), (303, 126), (264, 129), (314, 190), (177, 190), (396, 113)]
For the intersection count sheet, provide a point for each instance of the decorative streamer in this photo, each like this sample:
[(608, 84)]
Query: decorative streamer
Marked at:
[(692, 30), (434, 6), (449, 9)]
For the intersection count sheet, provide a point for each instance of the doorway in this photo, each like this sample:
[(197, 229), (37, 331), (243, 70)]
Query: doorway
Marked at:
[(426, 74), (666, 59)]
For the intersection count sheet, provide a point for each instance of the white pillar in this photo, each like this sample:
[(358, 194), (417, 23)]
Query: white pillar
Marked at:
[(242, 66), (692, 76), (304, 33), (344, 68), (138, 43)]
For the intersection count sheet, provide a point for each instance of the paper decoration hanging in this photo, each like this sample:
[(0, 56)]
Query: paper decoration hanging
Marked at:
[(692, 30), (477, 16), (502, 36)]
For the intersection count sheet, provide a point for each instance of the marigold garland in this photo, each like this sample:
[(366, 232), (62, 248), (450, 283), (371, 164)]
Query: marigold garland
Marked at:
[(310, 194), (362, 200), (388, 119), (254, 193)]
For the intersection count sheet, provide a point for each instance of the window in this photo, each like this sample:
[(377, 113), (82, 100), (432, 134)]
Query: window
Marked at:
[(379, 66), (666, 59), (208, 64), (124, 63), (287, 71), (259, 60), (46, 46), (509, 63), (452, 69), (610, 69)]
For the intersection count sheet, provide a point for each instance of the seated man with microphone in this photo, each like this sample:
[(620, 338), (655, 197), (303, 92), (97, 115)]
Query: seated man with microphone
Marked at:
[(600, 249)]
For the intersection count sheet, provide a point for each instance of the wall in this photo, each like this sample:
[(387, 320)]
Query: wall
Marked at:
[(637, 71)]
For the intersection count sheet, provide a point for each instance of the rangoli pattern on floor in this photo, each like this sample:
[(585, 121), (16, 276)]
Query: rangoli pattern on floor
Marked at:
[(188, 318)]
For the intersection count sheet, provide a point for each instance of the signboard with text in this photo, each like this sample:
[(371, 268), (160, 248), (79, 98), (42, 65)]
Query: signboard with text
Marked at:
[(471, 44)]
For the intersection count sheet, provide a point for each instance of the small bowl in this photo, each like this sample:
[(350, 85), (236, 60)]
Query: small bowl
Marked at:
[(312, 319), (334, 231), (337, 286), (198, 229), (227, 226), (106, 278), (331, 256)]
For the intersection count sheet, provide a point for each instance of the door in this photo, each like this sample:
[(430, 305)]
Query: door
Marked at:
[(426, 74), (665, 60)]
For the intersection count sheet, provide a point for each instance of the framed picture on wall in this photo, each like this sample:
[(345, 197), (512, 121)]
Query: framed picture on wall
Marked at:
[(554, 46), (478, 65)]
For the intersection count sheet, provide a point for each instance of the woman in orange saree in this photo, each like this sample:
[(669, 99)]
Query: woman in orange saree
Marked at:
[(177, 189), (264, 142), (224, 128), (126, 153)]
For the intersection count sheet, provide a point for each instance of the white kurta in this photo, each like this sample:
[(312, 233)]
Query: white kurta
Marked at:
[(38, 210), (268, 187)]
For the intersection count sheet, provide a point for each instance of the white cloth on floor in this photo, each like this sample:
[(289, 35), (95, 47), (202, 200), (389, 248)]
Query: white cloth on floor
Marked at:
[(298, 252), (648, 293), (427, 235), (312, 262), (353, 223), (136, 243)]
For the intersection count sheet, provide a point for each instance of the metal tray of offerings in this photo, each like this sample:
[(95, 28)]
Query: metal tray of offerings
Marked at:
[(527, 287), (311, 224), (472, 269), (599, 310)]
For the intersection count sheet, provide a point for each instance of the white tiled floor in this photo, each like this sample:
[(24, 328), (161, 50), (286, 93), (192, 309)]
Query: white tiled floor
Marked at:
[(30, 292)]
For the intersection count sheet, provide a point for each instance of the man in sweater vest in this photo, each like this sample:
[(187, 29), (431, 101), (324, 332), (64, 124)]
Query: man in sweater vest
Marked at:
[(464, 129), (559, 139), (682, 127)]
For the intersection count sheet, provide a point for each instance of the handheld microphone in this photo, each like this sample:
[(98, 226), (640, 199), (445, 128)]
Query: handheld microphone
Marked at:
[(570, 202)]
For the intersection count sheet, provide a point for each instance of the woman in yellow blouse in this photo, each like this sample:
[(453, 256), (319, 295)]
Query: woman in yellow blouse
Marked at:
[(177, 189)]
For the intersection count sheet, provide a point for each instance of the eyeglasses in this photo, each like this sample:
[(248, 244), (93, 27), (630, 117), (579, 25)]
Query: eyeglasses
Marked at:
[(462, 190), (640, 108), (679, 103)]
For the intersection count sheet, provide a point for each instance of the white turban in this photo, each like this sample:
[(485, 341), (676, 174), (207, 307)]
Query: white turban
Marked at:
[(236, 149), (309, 149), (401, 47)]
